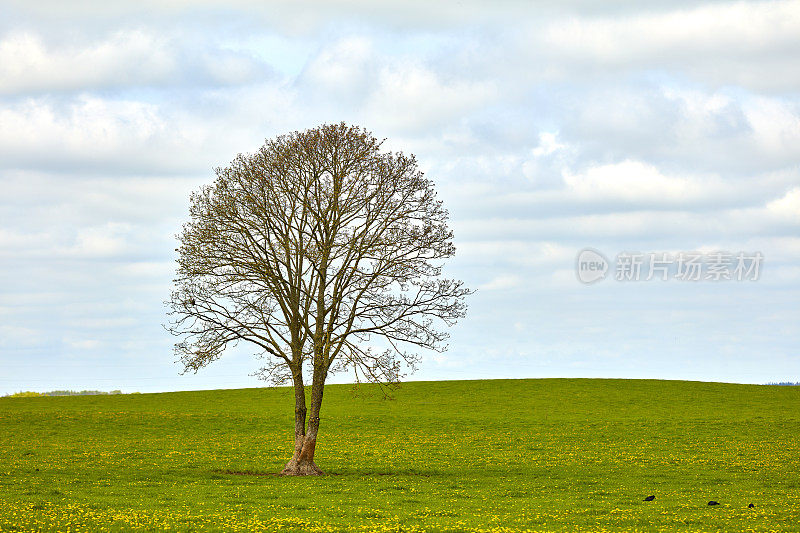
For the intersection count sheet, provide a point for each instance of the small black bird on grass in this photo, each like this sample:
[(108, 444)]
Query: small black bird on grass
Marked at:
[(712, 502), (750, 506), (650, 498)]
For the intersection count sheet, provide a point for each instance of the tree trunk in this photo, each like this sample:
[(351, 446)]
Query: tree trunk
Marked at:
[(302, 462), (305, 442)]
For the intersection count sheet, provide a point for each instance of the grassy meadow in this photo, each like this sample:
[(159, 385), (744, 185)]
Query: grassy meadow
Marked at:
[(499, 455)]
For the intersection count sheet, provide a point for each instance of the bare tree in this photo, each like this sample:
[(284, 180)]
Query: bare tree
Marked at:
[(314, 249)]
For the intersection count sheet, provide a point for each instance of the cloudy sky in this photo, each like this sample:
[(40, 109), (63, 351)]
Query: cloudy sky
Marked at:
[(548, 128)]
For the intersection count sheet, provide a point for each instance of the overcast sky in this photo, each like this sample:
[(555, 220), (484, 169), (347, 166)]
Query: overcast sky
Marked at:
[(664, 127)]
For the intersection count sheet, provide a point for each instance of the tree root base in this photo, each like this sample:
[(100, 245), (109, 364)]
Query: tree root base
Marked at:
[(301, 468)]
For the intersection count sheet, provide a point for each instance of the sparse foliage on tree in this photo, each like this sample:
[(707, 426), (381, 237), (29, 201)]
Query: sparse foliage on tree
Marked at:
[(324, 253)]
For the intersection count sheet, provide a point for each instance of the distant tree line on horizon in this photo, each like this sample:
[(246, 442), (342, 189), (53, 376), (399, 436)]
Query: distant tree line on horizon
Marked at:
[(30, 394), (27, 394)]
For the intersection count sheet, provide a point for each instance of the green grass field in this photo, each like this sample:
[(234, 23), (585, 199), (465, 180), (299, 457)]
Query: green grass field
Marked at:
[(505, 455)]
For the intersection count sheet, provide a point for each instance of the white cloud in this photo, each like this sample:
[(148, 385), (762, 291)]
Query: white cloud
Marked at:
[(500, 283), (547, 161), (104, 323), (622, 229), (104, 241), (14, 241), (634, 182), (13, 335), (412, 99), (149, 269), (740, 26), (86, 131), (731, 37), (83, 344), (787, 207), (95, 135), (125, 58), (548, 144), (305, 18), (776, 127), (722, 131), (518, 252), (345, 68), (130, 57)]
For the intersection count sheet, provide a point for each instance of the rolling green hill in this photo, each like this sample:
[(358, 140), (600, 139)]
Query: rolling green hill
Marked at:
[(499, 455)]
